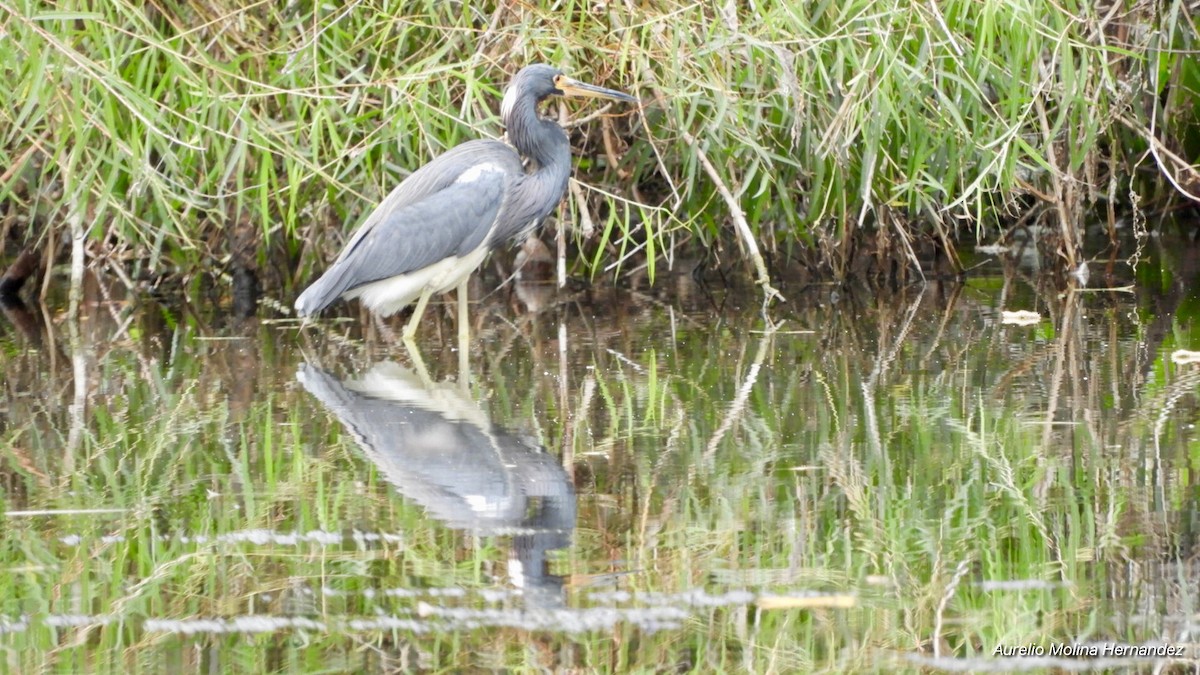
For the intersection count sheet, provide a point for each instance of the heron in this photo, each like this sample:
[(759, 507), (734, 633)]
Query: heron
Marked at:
[(435, 228)]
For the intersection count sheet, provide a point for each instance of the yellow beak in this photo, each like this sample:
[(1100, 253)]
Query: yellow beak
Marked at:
[(572, 87)]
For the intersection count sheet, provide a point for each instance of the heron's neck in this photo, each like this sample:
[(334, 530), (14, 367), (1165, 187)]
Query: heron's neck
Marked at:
[(539, 139)]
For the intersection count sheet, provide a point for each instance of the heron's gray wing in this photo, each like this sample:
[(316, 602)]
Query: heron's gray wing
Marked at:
[(452, 222), (439, 174), (446, 208)]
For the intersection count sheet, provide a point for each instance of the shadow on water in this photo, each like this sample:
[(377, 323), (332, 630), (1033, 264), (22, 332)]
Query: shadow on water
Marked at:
[(634, 480)]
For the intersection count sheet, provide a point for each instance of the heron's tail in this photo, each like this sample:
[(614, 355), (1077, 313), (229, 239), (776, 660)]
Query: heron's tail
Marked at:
[(320, 294)]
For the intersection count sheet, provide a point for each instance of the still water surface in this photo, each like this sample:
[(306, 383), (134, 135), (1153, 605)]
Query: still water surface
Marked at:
[(634, 480)]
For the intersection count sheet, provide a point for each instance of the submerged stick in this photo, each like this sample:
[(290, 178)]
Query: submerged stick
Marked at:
[(1063, 193), (1161, 153), (739, 218), (740, 226), (78, 357)]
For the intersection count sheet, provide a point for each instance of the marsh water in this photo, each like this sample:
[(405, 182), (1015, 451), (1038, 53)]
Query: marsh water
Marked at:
[(623, 480)]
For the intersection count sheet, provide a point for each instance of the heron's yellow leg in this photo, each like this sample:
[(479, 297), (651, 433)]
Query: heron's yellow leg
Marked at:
[(410, 330), (464, 335)]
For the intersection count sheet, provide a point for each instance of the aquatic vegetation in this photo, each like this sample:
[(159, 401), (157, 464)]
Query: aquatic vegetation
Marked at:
[(895, 483)]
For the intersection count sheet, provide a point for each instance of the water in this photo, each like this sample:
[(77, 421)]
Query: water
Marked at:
[(625, 481)]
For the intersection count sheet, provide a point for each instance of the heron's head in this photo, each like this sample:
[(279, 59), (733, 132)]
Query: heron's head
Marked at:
[(539, 81)]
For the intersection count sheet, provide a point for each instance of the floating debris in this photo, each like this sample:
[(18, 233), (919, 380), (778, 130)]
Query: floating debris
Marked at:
[(1022, 317), (1183, 357), (693, 598), (259, 537), (77, 620), (581, 620), (16, 625), (241, 624), (993, 249), (1081, 274), (808, 601)]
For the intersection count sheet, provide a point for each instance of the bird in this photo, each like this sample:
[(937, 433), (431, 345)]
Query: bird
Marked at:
[(437, 226)]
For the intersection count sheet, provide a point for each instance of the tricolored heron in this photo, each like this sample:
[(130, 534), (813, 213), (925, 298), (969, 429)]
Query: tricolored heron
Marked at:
[(437, 226)]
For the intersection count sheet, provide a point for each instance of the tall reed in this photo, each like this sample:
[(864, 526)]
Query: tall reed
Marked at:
[(166, 126)]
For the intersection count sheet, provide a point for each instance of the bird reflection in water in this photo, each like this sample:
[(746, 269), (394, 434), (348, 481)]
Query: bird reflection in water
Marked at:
[(441, 451)]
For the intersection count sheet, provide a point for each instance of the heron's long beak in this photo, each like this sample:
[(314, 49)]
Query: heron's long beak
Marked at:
[(572, 87)]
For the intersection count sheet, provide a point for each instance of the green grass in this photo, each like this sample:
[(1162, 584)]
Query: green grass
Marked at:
[(194, 133)]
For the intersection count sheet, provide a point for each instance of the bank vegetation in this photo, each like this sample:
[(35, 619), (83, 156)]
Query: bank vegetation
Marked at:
[(857, 138)]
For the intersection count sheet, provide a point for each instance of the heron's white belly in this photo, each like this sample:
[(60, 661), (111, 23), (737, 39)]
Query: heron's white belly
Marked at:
[(388, 296)]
